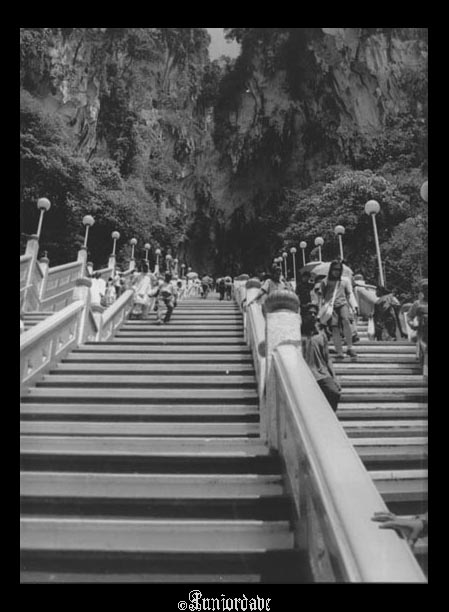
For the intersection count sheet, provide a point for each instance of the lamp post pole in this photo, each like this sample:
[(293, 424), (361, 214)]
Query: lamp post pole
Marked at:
[(293, 252), (156, 269), (303, 246), (340, 230), (133, 243), (147, 247), (319, 243), (284, 257), (88, 221), (43, 205), (372, 208), (115, 236)]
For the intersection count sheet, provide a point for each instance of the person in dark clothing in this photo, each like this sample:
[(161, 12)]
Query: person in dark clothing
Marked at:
[(385, 315), (221, 288), (315, 350), (305, 287)]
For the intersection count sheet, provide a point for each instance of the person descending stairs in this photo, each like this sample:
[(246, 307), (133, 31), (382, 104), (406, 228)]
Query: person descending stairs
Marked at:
[(383, 409), (141, 461)]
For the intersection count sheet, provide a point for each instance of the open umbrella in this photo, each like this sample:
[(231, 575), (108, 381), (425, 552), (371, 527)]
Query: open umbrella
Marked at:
[(191, 275), (322, 269), (309, 267)]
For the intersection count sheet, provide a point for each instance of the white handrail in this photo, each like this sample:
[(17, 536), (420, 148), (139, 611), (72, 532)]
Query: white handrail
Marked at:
[(333, 472)]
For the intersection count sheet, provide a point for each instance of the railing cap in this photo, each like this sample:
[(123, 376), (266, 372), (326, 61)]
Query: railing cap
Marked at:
[(282, 299), (97, 307)]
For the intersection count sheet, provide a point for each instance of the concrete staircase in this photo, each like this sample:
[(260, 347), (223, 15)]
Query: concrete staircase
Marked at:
[(383, 410), (141, 461), (31, 319)]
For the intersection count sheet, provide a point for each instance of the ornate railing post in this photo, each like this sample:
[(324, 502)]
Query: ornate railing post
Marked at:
[(44, 264), (252, 287), (283, 326), (82, 257), (31, 250)]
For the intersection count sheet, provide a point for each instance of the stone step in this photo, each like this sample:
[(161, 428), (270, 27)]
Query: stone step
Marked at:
[(387, 450), (140, 429), (159, 332), (141, 412), (393, 428), (382, 380), (152, 368), (149, 486), (136, 381), (137, 446), (107, 535), (401, 485), (177, 349), (175, 327), (55, 577), (381, 410), (154, 395), (178, 341), (375, 394), (374, 348), (156, 358)]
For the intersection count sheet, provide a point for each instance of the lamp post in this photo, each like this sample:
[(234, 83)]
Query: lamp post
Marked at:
[(147, 247), (133, 243), (372, 208), (158, 252), (88, 221), (284, 256), (182, 270), (319, 243), (340, 230), (293, 252), (423, 191), (303, 246), (175, 268), (168, 260), (115, 236), (43, 205)]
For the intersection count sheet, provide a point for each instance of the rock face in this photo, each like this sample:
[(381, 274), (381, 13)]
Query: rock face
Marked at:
[(296, 101)]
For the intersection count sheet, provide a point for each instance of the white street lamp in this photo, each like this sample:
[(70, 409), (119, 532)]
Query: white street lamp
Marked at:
[(43, 205), (147, 247), (115, 236), (423, 191), (372, 208), (319, 243), (340, 230), (284, 255), (303, 246), (293, 251), (158, 252), (88, 221), (133, 243)]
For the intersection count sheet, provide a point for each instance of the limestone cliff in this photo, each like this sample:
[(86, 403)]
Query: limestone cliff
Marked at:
[(295, 101)]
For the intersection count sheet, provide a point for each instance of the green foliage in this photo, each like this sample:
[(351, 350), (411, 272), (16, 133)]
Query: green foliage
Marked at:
[(341, 201)]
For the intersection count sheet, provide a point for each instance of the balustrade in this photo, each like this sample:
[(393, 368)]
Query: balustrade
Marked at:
[(333, 495)]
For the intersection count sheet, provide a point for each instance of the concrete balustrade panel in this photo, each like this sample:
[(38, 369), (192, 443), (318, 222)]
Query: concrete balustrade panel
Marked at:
[(47, 342), (81, 292), (59, 286), (335, 497), (114, 316), (283, 325)]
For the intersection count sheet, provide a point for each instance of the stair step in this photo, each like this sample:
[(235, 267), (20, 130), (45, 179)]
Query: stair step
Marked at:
[(381, 380), (271, 566), (154, 535), (140, 411), (158, 358), (177, 340), (133, 578), (191, 446), (104, 395), (139, 429), (401, 485), (384, 450), (159, 333), (149, 486), (374, 394), (135, 381), (381, 410), (117, 348), (153, 368), (394, 428)]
